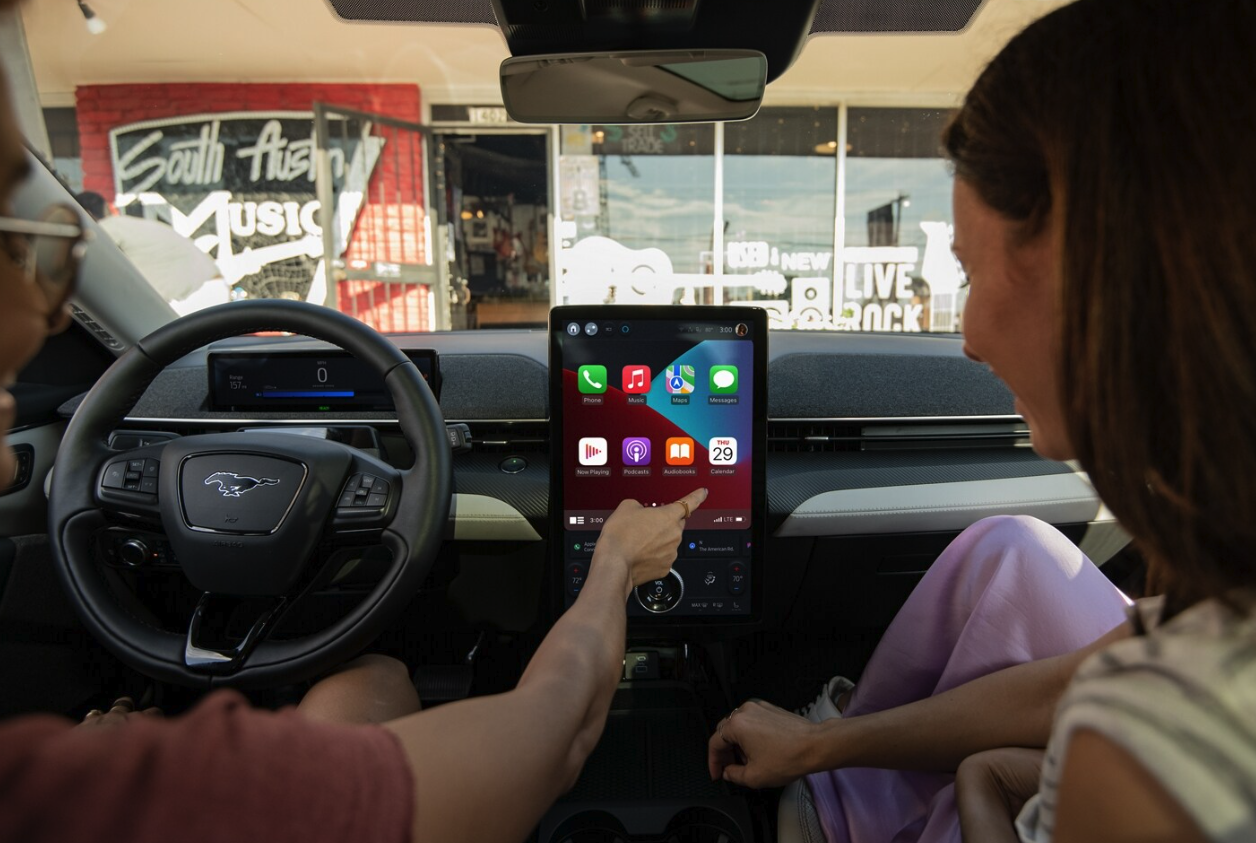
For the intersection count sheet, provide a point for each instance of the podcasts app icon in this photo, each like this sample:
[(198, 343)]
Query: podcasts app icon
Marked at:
[(636, 451)]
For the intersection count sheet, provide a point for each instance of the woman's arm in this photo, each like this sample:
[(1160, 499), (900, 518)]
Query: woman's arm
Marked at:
[(991, 788), (486, 769), (1105, 796), (1011, 707)]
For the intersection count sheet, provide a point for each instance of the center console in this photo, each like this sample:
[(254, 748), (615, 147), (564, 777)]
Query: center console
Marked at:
[(647, 779)]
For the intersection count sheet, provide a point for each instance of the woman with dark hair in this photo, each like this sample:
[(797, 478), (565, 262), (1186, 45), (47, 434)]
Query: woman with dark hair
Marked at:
[(1105, 214)]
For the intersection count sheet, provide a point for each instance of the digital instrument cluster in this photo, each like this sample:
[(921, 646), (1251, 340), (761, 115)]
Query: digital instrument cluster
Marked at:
[(305, 380)]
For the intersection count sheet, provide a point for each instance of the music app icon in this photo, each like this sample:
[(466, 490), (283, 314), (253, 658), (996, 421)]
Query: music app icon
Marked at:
[(636, 379)]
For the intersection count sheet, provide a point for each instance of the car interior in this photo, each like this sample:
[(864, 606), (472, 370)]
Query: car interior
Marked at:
[(249, 495)]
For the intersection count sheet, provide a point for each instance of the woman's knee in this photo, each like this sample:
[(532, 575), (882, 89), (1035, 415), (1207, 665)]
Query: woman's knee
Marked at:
[(1015, 549)]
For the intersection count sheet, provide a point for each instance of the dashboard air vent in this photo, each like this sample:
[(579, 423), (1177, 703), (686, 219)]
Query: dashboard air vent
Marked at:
[(97, 330), (821, 435), (513, 436), (804, 435)]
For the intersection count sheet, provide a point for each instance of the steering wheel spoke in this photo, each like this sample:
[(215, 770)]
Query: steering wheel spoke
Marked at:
[(129, 482), (209, 649)]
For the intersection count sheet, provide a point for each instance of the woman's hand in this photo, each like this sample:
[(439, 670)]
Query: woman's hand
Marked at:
[(760, 745), (123, 710), (646, 537), (992, 787)]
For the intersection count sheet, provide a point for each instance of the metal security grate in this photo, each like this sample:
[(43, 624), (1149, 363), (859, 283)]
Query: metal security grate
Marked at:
[(417, 11), (894, 15), (832, 16)]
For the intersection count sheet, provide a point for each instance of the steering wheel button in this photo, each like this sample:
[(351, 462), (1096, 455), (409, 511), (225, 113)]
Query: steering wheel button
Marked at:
[(135, 465), (151, 467), (131, 485), (134, 475), (380, 487), (148, 485), (346, 499), (377, 500), (115, 476), (368, 480)]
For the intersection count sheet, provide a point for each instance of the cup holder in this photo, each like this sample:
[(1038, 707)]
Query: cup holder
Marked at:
[(691, 825), (590, 827), (702, 825)]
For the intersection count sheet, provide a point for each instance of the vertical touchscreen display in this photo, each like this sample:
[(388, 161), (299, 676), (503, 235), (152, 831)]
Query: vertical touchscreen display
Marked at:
[(651, 409)]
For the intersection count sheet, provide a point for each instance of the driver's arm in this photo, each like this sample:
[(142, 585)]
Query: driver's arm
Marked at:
[(486, 769)]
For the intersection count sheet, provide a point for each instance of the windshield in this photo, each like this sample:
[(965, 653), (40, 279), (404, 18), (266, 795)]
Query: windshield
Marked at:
[(272, 150)]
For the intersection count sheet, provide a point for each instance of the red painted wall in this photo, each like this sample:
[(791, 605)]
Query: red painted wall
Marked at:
[(389, 227)]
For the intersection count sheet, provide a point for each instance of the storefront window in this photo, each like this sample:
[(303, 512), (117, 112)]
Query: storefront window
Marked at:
[(898, 272), (637, 214), (780, 172)]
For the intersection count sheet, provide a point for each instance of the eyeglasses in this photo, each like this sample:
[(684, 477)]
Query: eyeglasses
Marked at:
[(48, 251)]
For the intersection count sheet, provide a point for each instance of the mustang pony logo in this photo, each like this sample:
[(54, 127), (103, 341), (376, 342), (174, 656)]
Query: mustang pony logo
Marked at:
[(233, 485)]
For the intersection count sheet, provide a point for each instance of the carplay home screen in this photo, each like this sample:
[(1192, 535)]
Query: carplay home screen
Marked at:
[(651, 410)]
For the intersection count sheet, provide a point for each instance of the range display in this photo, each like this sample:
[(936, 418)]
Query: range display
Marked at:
[(305, 380), (650, 403)]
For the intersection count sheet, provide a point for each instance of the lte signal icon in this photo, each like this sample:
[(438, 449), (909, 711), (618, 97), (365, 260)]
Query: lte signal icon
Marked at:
[(592, 451), (636, 451)]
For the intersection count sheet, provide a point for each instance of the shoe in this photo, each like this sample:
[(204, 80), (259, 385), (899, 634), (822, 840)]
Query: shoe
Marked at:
[(825, 705)]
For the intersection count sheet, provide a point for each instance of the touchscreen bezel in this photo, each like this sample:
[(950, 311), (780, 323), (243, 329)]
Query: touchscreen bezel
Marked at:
[(758, 318), (220, 404)]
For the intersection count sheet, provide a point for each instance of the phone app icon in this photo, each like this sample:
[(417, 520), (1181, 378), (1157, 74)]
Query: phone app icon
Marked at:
[(722, 450), (723, 380), (680, 379), (636, 379), (592, 450), (591, 379), (636, 451), (680, 450)]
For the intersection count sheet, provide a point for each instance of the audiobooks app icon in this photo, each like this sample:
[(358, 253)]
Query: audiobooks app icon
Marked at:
[(679, 451), (592, 451)]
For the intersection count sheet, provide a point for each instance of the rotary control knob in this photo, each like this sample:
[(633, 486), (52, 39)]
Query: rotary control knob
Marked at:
[(660, 596), (134, 552)]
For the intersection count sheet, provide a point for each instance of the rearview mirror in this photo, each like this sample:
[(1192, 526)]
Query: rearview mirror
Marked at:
[(656, 86)]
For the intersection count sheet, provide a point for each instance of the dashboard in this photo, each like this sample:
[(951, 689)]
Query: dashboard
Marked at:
[(879, 449)]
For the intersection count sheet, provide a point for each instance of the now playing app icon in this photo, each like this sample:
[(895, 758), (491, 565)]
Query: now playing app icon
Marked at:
[(592, 451), (636, 451)]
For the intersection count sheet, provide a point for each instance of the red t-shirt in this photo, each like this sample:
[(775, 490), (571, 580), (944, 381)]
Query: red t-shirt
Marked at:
[(223, 772)]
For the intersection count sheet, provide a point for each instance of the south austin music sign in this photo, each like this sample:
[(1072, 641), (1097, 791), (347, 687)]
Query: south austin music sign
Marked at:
[(242, 186)]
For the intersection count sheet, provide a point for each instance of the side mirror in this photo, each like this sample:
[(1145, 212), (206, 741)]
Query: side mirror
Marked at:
[(657, 86)]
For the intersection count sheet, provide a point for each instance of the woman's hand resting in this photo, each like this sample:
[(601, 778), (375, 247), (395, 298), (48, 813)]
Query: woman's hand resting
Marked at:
[(761, 745)]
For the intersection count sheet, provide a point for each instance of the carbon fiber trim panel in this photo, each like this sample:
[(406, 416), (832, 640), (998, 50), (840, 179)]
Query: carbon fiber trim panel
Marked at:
[(527, 491)]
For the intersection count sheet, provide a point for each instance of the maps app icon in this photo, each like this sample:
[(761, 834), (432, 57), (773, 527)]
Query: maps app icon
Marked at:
[(680, 379)]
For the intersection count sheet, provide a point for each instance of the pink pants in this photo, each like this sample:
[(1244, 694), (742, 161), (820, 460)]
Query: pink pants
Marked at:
[(1008, 590)]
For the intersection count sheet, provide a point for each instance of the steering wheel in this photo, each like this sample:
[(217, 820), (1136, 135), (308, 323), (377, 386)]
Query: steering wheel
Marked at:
[(245, 513)]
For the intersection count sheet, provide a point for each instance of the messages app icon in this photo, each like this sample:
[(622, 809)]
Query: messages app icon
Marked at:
[(723, 380)]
